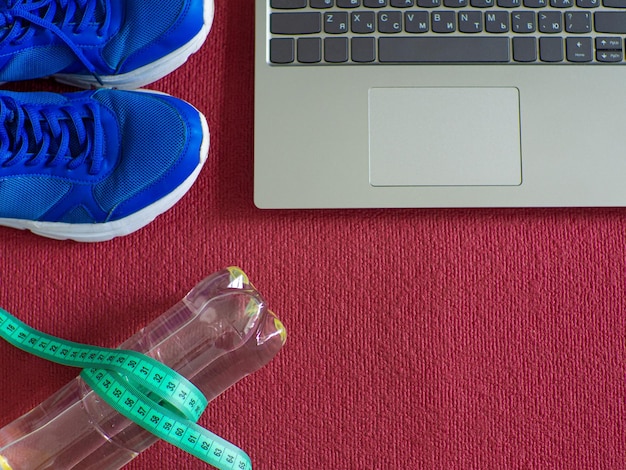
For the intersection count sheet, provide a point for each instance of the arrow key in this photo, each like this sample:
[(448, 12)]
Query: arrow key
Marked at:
[(608, 43), (609, 56), (579, 49)]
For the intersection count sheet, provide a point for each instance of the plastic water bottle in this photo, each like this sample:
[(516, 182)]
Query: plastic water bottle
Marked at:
[(219, 333)]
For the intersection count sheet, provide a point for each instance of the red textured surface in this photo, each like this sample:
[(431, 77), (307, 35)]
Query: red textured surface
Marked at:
[(418, 339)]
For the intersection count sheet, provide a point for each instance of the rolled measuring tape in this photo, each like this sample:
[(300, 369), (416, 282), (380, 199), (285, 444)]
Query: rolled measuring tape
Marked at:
[(140, 388)]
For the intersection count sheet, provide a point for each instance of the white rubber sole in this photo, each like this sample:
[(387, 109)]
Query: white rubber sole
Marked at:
[(109, 230), (148, 73)]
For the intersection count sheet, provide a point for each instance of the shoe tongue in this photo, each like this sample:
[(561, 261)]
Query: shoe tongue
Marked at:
[(11, 128), (100, 14)]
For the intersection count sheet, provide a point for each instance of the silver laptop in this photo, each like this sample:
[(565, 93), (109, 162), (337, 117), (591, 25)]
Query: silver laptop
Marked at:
[(440, 103)]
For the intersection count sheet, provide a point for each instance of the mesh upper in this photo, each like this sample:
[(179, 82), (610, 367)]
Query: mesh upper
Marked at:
[(38, 97), (142, 25), (148, 152), (30, 197), (37, 62)]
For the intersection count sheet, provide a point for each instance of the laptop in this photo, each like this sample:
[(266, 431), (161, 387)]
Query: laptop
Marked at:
[(440, 103)]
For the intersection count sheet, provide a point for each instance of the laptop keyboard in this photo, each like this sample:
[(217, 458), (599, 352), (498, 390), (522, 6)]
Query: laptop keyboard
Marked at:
[(446, 31)]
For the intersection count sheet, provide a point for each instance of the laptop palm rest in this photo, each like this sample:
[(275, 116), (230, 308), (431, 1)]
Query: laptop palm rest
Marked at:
[(444, 136)]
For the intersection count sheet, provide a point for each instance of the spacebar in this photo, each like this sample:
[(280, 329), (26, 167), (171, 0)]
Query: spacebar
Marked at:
[(443, 49)]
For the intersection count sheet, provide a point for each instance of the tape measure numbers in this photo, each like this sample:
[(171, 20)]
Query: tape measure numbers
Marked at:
[(138, 387)]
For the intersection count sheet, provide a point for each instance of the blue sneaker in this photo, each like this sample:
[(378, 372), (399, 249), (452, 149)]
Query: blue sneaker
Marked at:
[(114, 43), (97, 164)]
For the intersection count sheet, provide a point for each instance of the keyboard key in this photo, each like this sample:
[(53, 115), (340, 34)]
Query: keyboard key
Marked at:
[(482, 3), (336, 50), (363, 22), (551, 49), (470, 21), (587, 3), (524, 49), (535, 3), (550, 22), (561, 3), (578, 22), (390, 22), (363, 50), (336, 23), (428, 3), (579, 49), (443, 21), (281, 50), (309, 50), (497, 22), (614, 3), (322, 3), (609, 56), (508, 3), (348, 3), (610, 22), (443, 49), (375, 3), (455, 3), (295, 23), (287, 4), (402, 3), (416, 21), (523, 22), (608, 43)]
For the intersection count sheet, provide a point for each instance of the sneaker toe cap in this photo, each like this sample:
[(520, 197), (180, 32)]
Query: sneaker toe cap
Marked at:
[(164, 141)]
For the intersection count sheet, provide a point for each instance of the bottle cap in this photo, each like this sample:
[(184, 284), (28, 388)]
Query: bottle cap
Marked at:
[(4, 465)]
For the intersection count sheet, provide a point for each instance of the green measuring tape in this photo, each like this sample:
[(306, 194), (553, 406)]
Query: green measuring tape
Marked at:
[(138, 387)]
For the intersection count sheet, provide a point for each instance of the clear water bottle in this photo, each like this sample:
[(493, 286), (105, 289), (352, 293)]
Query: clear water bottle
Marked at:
[(219, 333)]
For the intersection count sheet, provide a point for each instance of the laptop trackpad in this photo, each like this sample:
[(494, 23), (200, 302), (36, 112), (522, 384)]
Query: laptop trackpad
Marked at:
[(444, 137)]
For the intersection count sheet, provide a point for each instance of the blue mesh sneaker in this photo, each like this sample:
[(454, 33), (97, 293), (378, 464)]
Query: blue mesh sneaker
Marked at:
[(114, 43), (93, 165)]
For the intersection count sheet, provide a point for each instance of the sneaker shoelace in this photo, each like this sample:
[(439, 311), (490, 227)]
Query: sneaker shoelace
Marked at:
[(50, 135), (19, 20)]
